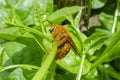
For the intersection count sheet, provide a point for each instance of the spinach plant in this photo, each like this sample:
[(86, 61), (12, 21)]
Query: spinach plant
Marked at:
[(26, 45)]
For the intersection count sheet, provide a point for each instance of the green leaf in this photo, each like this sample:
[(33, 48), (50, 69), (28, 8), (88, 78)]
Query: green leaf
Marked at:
[(58, 16), (13, 33), (47, 5), (2, 3), (32, 43), (23, 7), (4, 75), (45, 66), (29, 41), (13, 19), (112, 49), (65, 76), (3, 15), (108, 33), (16, 75), (114, 40), (76, 43), (1, 55), (28, 73), (94, 42), (51, 72), (71, 63), (93, 75), (109, 70), (10, 30), (106, 20), (9, 33), (0, 78), (10, 3), (70, 19), (98, 3), (77, 18), (113, 53), (16, 53)]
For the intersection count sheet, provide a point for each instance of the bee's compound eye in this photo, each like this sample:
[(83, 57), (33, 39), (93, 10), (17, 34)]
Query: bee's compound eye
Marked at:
[(51, 28)]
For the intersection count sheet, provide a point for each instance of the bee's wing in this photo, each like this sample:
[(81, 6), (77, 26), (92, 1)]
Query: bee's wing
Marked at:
[(74, 46), (69, 39)]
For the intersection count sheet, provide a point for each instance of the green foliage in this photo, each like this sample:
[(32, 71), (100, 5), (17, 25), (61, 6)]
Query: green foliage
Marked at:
[(59, 15), (98, 3), (27, 51), (107, 20), (16, 74)]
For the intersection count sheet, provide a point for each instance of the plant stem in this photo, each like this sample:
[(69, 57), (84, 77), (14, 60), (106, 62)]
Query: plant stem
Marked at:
[(42, 46), (35, 32), (110, 72), (104, 55), (81, 68), (115, 17), (46, 64), (43, 29), (107, 55), (88, 14), (20, 66), (80, 38)]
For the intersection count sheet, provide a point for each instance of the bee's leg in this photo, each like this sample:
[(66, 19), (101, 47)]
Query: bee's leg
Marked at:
[(66, 48), (58, 55), (61, 42), (58, 37)]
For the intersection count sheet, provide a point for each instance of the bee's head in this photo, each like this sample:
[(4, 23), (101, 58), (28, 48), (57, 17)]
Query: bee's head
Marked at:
[(52, 28)]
